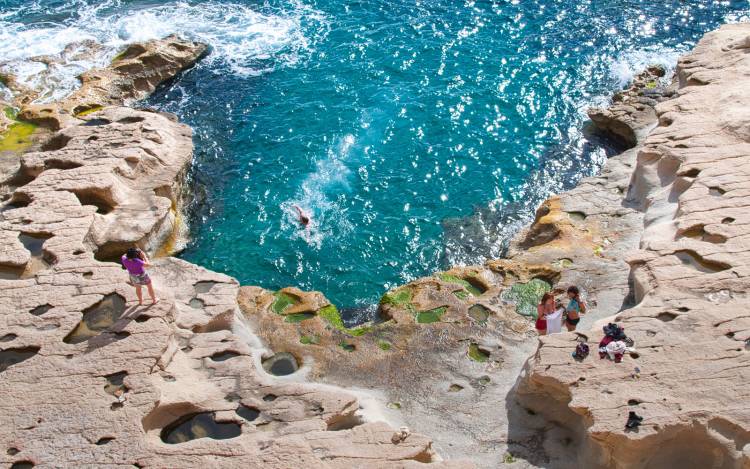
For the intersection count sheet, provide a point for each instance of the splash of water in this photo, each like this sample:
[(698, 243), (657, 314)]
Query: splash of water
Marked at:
[(243, 41)]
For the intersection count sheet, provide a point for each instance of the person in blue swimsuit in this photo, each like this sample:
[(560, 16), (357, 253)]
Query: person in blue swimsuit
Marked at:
[(575, 308)]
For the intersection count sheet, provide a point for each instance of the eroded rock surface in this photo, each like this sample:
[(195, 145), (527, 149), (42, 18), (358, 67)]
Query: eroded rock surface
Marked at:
[(132, 75), (632, 113), (451, 346), (89, 378), (687, 377)]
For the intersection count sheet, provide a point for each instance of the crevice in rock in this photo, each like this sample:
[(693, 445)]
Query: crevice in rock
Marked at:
[(344, 422), (64, 165), (13, 356), (281, 364), (199, 425), (22, 465), (40, 310), (58, 142), (696, 261), (248, 413), (666, 317), (97, 319), (223, 356), (102, 201)]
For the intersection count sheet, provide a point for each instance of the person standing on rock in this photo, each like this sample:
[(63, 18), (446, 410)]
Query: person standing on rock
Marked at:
[(575, 308), (136, 261), (546, 306)]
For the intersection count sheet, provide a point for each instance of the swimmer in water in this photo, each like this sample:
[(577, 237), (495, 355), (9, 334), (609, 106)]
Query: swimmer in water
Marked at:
[(304, 220)]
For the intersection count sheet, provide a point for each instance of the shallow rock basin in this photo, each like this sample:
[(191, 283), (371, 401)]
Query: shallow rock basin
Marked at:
[(281, 364), (200, 425), (97, 319)]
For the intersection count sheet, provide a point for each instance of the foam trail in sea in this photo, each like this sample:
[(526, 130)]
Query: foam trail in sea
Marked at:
[(327, 217), (246, 41)]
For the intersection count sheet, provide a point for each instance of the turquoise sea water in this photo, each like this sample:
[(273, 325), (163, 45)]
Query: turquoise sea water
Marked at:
[(416, 134)]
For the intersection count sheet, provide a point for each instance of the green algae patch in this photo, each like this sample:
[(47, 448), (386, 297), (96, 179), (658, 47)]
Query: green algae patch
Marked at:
[(359, 330), (283, 301), (91, 110), (298, 317), (313, 339), (461, 294), (394, 405), (18, 136), (400, 297), (431, 315), (526, 296), (384, 345), (472, 289), (346, 346), (120, 56), (479, 313), (331, 314), (477, 354)]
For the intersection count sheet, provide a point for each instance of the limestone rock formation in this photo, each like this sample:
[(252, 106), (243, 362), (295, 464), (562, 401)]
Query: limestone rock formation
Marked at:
[(632, 113), (91, 379), (687, 377), (132, 75), (213, 373)]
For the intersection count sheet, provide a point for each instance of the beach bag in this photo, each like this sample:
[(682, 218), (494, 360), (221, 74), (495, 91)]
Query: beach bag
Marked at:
[(582, 351)]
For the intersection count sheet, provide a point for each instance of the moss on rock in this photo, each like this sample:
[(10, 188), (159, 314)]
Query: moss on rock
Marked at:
[(17, 137), (478, 354), (283, 301), (384, 345), (90, 110), (312, 339), (472, 289), (526, 296), (298, 317), (331, 314), (430, 316), (400, 297)]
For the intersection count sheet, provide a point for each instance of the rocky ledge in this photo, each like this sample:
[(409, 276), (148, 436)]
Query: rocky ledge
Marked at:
[(688, 376), (213, 373)]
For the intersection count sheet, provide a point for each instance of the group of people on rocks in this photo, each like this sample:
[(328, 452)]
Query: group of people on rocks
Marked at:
[(551, 314)]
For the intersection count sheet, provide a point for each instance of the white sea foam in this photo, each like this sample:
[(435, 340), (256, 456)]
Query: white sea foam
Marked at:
[(630, 63), (246, 41), (327, 218)]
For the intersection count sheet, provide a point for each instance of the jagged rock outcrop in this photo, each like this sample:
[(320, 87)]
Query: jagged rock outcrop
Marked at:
[(90, 379), (632, 115), (132, 75), (687, 378)]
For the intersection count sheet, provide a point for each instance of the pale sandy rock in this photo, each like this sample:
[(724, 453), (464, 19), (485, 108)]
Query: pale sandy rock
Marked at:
[(690, 284)]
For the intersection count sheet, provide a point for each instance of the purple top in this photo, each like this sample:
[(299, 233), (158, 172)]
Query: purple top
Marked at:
[(134, 266)]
